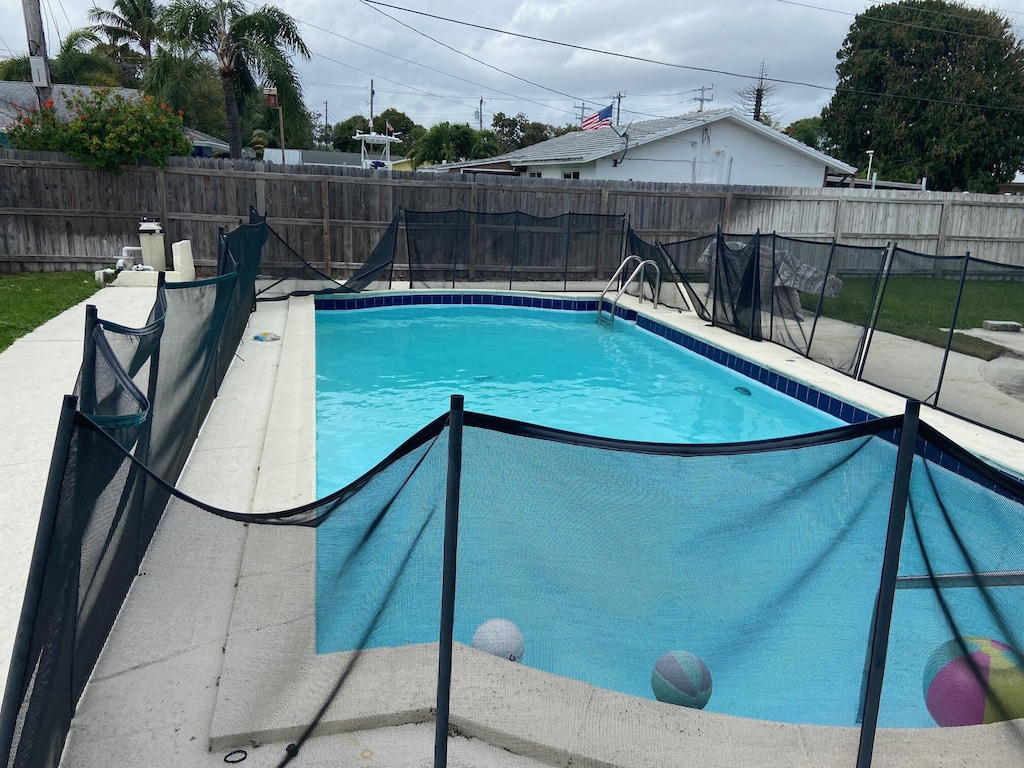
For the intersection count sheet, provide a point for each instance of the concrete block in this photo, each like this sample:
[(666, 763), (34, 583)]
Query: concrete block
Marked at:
[(1000, 325)]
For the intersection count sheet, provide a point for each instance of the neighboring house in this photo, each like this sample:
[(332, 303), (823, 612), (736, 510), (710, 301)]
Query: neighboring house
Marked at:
[(716, 147), (18, 95), (205, 145)]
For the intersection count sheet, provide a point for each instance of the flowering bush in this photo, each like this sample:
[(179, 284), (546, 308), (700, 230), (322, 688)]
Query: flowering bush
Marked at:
[(37, 129), (104, 130)]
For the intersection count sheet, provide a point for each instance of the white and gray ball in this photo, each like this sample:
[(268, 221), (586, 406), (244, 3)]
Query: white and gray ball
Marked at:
[(500, 637)]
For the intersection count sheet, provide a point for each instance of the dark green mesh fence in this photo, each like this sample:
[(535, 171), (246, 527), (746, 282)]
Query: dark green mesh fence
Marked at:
[(745, 579)]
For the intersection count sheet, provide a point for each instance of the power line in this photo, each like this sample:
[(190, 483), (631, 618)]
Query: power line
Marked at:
[(474, 58), (674, 65), (388, 80), (898, 23)]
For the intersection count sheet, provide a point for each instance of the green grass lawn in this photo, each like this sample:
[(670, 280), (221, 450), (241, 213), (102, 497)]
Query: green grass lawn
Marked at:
[(29, 300), (919, 308)]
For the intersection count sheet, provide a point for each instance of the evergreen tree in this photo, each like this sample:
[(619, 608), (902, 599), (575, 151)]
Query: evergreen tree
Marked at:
[(935, 89)]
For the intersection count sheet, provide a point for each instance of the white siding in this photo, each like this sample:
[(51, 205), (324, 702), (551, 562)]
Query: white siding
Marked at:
[(720, 153)]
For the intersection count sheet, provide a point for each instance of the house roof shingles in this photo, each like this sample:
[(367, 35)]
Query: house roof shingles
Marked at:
[(586, 146)]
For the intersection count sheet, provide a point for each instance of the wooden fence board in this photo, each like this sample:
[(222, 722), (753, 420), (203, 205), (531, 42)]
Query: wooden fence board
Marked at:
[(55, 212)]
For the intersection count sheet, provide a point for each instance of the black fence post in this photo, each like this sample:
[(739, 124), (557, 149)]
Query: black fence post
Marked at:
[(952, 327), (877, 299), (451, 541), (887, 587), (87, 390), (21, 654)]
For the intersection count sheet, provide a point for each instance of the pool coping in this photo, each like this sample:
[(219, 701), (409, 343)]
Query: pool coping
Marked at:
[(272, 619)]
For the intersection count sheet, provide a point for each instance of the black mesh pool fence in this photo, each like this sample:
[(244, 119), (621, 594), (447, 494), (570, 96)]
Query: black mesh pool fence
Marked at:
[(621, 585)]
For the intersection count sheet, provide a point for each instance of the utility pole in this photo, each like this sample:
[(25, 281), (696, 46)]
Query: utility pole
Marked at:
[(480, 114), (702, 98), (371, 106), (618, 109), (37, 50), (582, 109)]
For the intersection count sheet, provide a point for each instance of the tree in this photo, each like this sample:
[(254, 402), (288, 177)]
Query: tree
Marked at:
[(128, 23), (244, 45), (809, 131), (517, 132), (346, 129), (452, 142), (935, 89), (755, 99), (76, 63), (189, 83)]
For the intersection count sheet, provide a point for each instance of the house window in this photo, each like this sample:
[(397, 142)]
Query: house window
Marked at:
[(534, 174), (570, 174)]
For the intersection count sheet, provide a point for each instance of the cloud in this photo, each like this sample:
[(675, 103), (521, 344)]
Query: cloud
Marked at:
[(797, 43)]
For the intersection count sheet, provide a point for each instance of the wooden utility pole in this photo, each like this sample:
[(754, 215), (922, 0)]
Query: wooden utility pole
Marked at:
[(618, 108), (37, 50)]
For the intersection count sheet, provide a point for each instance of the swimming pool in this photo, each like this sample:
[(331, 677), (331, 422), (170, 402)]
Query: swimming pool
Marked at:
[(766, 563), (384, 373)]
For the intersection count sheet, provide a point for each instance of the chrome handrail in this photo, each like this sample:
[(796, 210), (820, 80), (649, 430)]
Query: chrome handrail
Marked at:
[(640, 270)]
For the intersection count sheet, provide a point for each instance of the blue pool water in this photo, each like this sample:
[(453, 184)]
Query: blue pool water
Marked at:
[(384, 373), (601, 588)]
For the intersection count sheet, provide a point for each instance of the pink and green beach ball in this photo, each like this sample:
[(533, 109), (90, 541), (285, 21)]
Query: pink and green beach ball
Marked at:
[(984, 686)]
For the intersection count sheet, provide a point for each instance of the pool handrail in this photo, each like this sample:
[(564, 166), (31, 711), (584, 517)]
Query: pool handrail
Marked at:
[(641, 269)]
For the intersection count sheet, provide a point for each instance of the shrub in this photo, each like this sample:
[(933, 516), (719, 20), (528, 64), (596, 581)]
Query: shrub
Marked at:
[(104, 130)]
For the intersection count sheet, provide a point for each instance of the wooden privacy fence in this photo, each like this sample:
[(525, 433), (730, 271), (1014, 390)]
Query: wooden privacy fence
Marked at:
[(56, 214)]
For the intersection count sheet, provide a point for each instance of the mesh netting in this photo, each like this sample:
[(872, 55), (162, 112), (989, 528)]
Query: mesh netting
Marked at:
[(449, 247), (644, 581), (914, 283)]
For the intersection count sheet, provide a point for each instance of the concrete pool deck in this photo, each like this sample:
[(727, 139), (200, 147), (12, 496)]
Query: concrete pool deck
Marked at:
[(185, 666)]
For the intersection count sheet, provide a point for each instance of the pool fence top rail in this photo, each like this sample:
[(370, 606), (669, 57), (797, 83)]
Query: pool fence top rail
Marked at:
[(56, 214)]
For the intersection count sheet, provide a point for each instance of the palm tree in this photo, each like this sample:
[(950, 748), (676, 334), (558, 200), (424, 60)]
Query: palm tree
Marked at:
[(452, 142), (76, 63), (444, 143), (243, 45), (130, 21), (130, 31)]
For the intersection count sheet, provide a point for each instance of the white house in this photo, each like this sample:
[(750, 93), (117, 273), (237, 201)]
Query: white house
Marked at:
[(715, 147)]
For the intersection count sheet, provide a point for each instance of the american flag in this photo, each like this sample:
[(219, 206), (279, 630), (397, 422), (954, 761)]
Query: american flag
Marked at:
[(598, 119)]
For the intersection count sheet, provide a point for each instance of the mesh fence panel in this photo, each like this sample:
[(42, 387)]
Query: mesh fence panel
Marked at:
[(990, 359), (437, 243), (800, 281), (736, 272), (914, 320), (603, 573), (844, 313), (954, 655), (524, 251), (606, 555)]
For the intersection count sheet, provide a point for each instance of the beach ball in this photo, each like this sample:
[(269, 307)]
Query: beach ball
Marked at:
[(984, 686), (500, 637), (681, 677)]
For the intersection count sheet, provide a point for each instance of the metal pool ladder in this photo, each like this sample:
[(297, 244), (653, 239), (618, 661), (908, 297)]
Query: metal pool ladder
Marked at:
[(641, 272)]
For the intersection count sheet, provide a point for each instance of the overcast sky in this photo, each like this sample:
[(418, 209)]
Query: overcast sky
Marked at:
[(353, 42)]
